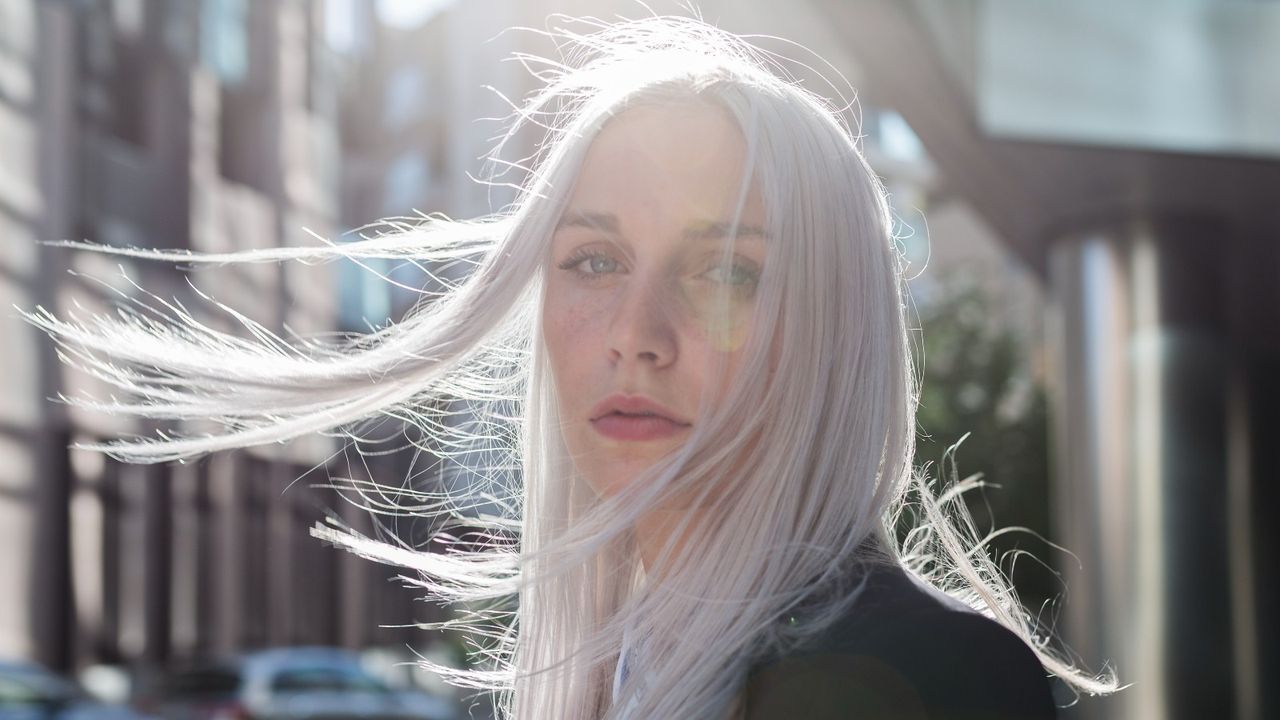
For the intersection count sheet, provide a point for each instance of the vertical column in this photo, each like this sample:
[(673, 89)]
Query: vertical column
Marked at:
[(282, 609), (206, 553), (355, 580), (111, 497), (131, 561), (1253, 421), (253, 559), (1139, 409), (227, 550), (323, 620), (1088, 314), (52, 618), (158, 553), (184, 559), (88, 535)]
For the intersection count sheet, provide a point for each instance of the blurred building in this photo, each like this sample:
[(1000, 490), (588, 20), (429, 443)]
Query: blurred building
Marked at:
[(217, 125), (1119, 165), (414, 133), (209, 125), (1130, 154)]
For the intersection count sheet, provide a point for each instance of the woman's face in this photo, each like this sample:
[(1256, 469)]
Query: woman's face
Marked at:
[(636, 310)]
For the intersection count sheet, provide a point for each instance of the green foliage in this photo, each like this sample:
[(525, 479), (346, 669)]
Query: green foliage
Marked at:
[(977, 378)]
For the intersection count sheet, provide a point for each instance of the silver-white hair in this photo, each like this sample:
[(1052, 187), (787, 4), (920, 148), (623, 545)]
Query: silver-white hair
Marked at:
[(804, 476)]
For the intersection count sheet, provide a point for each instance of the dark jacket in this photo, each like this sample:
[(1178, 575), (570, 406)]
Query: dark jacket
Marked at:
[(905, 651)]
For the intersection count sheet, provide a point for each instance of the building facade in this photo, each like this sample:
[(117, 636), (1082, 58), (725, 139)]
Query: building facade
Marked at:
[(207, 126)]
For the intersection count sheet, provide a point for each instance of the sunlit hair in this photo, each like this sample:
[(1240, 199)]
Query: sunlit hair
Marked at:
[(800, 471)]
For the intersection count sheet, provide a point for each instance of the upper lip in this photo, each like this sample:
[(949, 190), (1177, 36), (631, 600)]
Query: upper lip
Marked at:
[(633, 405)]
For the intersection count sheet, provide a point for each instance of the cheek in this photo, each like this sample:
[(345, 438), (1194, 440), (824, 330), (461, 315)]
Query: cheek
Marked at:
[(735, 357), (704, 377), (721, 321), (567, 329)]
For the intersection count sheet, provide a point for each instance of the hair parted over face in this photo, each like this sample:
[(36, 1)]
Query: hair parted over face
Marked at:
[(640, 296)]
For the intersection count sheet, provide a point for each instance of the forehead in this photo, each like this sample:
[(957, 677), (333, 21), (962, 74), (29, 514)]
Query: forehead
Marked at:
[(680, 162)]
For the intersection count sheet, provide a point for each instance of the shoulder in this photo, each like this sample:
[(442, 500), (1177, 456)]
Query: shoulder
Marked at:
[(905, 651)]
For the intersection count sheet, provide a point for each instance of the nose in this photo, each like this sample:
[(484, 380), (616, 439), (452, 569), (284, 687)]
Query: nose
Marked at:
[(642, 328)]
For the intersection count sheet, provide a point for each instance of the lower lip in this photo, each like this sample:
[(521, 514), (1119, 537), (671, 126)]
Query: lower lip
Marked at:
[(637, 427)]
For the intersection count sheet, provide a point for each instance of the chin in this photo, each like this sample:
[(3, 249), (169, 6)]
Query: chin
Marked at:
[(612, 478), (608, 484)]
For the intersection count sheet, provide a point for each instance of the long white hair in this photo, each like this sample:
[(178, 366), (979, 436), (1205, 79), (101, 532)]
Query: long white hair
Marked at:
[(799, 479)]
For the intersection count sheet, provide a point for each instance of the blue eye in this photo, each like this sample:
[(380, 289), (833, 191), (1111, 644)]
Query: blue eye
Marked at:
[(596, 264), (600, 264), (737, 274)]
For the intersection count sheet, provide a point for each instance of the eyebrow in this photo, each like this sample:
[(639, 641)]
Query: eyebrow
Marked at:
[(608, 222)]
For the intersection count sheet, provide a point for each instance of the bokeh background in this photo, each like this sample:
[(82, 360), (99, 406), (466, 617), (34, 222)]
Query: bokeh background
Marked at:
[(1088, 193)]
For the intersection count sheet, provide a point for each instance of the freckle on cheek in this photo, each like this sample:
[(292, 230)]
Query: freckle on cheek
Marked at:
[(565, 331), (574, 321)]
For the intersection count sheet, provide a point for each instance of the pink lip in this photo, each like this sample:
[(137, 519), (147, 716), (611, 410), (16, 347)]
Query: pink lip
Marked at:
[(620, 417)]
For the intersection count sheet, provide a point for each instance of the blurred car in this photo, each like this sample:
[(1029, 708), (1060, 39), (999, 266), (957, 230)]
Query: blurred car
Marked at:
[(31, 692), (291, 684)]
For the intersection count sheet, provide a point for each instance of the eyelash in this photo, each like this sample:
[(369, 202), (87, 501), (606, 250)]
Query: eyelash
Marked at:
[(571, 264), (580, 257)]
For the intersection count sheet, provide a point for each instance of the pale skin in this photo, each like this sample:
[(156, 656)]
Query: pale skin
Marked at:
[(636, 262)]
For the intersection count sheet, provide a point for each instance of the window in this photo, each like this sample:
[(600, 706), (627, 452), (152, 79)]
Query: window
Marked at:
[(224, 39)]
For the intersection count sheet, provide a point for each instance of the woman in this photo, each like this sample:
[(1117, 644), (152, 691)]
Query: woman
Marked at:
[(695, 308)]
